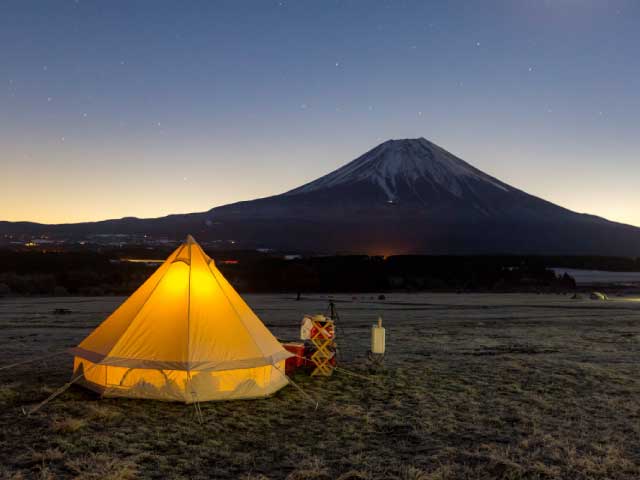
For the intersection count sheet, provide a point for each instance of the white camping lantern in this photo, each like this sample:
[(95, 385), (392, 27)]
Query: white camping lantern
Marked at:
[(378, 338)]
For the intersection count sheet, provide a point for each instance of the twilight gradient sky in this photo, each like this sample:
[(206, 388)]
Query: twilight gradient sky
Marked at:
[(144, 108)]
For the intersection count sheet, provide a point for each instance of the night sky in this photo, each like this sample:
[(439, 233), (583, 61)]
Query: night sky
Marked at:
[(144, 108)]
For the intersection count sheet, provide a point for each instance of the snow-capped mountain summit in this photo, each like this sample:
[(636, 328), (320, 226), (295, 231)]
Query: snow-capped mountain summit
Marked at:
[(403, 196), (417, 177), (398, 166)]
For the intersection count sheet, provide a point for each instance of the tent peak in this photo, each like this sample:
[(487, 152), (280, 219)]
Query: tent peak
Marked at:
[(190, 239)]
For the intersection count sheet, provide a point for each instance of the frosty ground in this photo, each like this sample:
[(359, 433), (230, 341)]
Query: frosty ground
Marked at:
[(475, 386)]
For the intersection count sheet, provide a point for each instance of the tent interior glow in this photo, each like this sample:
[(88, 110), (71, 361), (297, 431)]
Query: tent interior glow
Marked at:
[(184, 335)]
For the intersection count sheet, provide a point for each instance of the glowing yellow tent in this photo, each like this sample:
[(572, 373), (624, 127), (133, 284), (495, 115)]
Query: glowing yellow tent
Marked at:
[(184, 335)]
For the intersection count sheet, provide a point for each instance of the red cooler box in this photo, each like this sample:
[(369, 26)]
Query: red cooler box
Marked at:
[(293, 363)]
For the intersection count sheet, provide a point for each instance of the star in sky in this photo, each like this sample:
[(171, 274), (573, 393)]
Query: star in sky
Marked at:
[(214, 85)]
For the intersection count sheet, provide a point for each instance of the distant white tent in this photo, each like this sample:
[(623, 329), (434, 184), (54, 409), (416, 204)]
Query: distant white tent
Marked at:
[(184, 335)]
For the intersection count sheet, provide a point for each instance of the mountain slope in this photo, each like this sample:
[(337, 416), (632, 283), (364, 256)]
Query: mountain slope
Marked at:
[(403, 196), (398, 165)]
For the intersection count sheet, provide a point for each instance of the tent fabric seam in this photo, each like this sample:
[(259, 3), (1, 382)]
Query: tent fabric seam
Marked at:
[(106, 361), (124, 332), (224, 294), (189, 313)]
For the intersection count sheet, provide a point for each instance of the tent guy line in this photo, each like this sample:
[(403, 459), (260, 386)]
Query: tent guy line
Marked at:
[(184, 335)]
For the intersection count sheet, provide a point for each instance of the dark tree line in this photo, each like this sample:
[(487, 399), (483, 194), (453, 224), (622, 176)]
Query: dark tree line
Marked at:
[(100, 272), (399, 273)]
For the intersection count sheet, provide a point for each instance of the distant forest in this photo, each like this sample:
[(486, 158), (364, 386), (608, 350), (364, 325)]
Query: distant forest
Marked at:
[(104, 272)]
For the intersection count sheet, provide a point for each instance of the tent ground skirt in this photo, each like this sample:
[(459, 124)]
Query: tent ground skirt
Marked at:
[(179, 385)]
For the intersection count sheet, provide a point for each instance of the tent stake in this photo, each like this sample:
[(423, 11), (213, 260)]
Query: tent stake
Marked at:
[(196, 403), (60, 391), (309, 397)]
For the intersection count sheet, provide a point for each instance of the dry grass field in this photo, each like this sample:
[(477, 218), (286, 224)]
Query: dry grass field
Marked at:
[(474, 386)]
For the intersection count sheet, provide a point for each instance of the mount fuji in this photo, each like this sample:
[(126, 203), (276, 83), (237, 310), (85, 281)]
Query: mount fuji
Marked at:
[(403, 196), (407, 170)]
